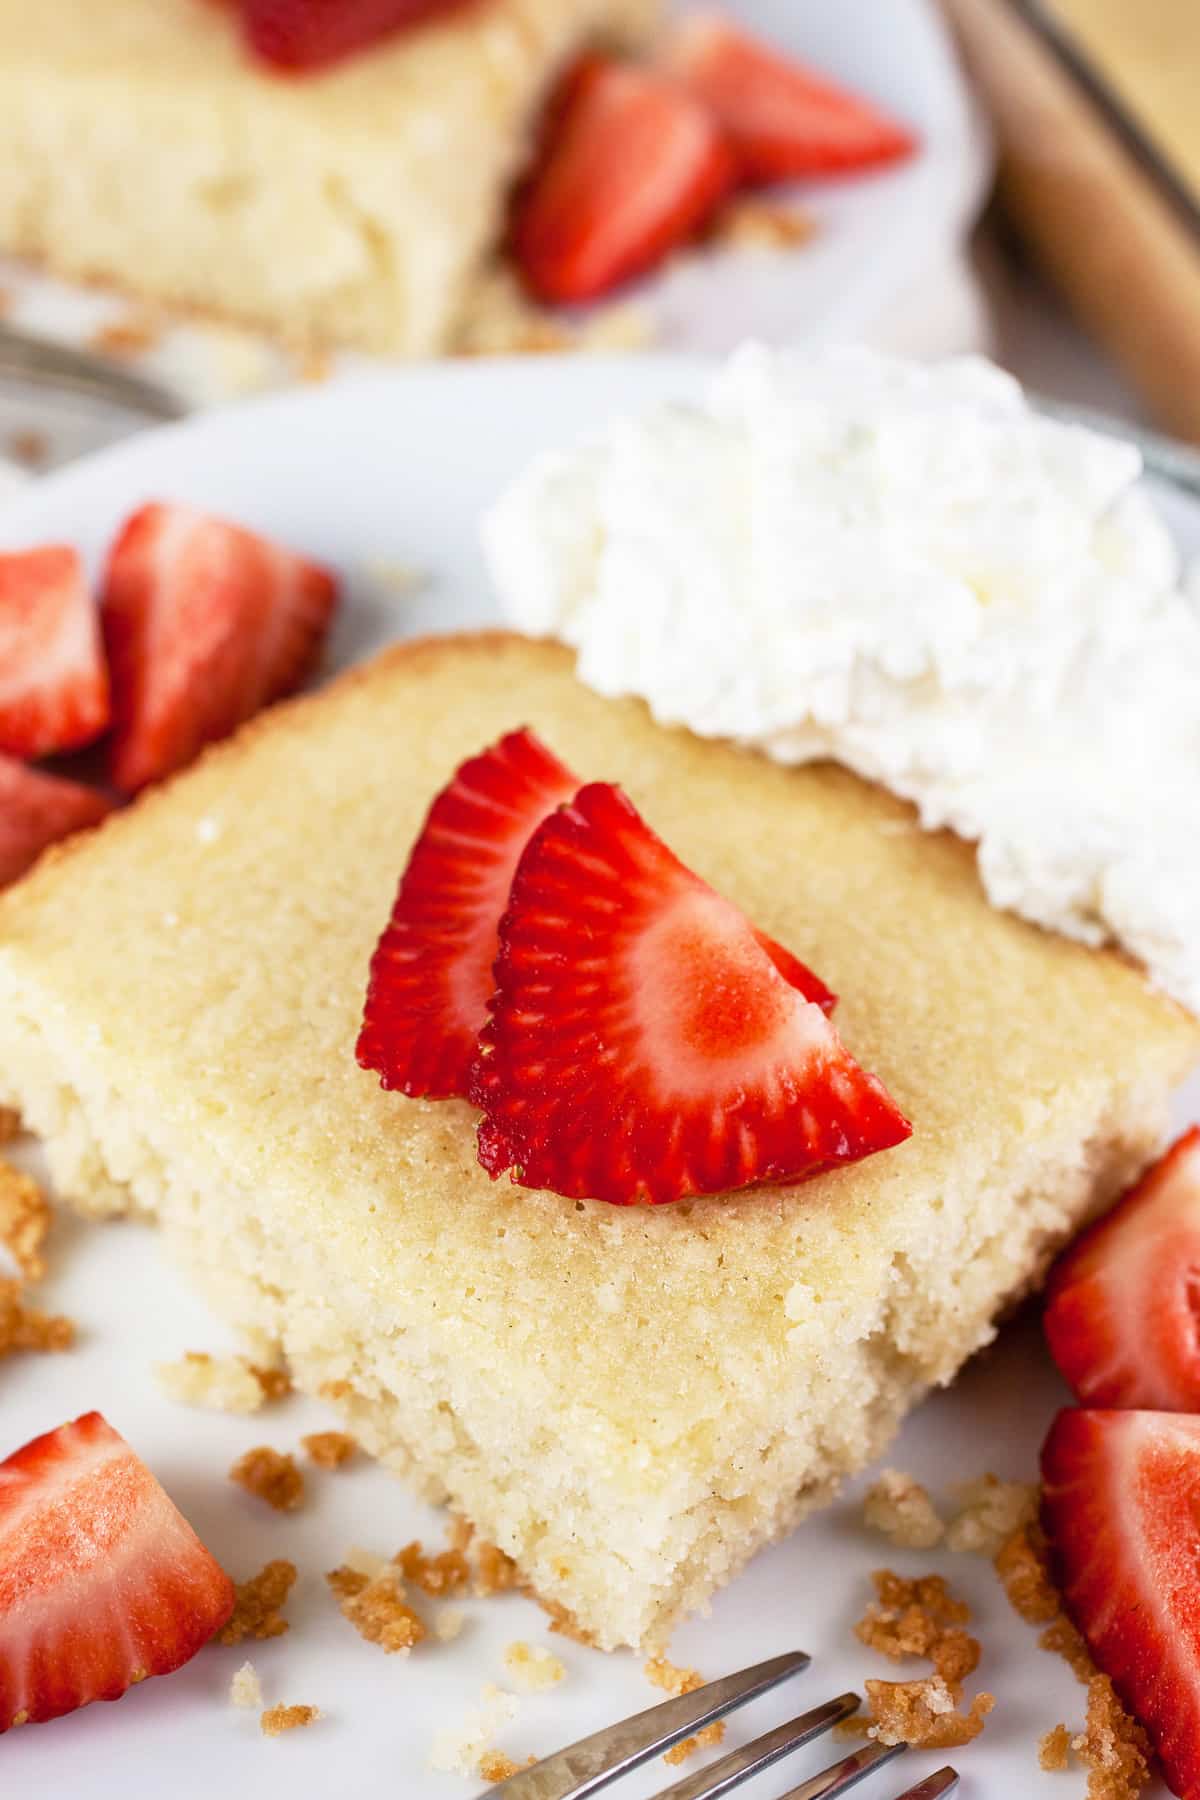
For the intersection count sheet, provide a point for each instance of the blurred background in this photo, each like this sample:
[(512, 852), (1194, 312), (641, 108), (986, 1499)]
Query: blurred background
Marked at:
[(1039, 200)]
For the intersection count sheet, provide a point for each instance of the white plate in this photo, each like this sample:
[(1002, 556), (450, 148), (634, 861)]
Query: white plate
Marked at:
[(881, 265), (397, 469)]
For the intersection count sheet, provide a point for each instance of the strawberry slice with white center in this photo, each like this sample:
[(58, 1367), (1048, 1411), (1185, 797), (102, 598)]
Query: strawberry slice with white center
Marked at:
[(431, 975), (630, 168), (53, 680), (1123, 1304), (783, 121), (204, 623), (102, 1581), (642, 1046), (1121, 1509), (37, 810)]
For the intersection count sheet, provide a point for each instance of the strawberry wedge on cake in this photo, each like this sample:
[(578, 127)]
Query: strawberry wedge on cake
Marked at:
[(633, 1354)]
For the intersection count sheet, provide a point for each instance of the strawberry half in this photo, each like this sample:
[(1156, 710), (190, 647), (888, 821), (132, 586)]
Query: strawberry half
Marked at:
[(1122, 1304), (783, 121), (642, 1045), (53, 682), (36, 810), (1121, 1509), (311, 34), (102, 1581), (630, 169), (204, 623), (431, 975)]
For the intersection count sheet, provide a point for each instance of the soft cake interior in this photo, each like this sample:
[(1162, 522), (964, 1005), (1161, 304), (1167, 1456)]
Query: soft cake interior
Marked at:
[(629, 1401)]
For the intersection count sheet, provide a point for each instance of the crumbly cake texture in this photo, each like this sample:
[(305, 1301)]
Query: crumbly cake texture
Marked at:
[(278, 1719), (358, 206), (257, 1607), (24, 1221), (628, 1401), (676, 1681), (270, 1475), (229, 1384)]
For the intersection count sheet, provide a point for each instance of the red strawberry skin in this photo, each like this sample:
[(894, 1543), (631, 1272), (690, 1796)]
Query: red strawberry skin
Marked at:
[(312, 34), (204, 624), (641, 1045), (53, 680), (102, 1581), (630, 169), (37, 810), (1122, 1303), (783, 121), (1121, 1509)]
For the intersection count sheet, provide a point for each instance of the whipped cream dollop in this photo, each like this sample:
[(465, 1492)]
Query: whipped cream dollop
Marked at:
[(907, 569)]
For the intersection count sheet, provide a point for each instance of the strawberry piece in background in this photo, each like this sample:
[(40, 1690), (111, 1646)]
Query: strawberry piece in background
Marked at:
[(37, 810), (53, 680), (312, 34)]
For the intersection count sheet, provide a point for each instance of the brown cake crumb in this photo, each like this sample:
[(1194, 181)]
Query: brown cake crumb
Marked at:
[(1054, 1749), (27, 1327), (24, 1220), (1062, 1639), (377, 1609), (495, 1573), (335, 1390), (1112, 1746), (751, 223), (564, 1623), (278, 1719), (256, 1609), (135, 330), (676, 1681), (446, 1573), (920, 1618), (276, 1384), (459, 1532), (924, 1714), (901, 1509), (495, 1766), (10, 1120), (30, 448), (329, 1449), (1021, 1566), (270, 1475)]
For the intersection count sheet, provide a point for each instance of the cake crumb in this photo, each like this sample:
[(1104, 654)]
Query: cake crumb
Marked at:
[(1063, 1639), (533, 1669), (901, 1509), (675, 1681), (217, 1383), (495, 1766), (276, 1383), (1054, 1749), (1021, 1565), (246, 1689), (459, 1532), (270, 1475), (924, 1714), (920, 1618), (446, 1573), (461, 1751), (1112, 1747), (27, 1327), (30, 448), (495, 1572), (449, 1624), (377, 1609), (329, 1449), (10, 1119), (335, 1390), (989, 1512), (564, 1622), (400, 579), (131, 333), (752, 223), (623, 325), (256, 1608), (278, 1719), (24, 1220)]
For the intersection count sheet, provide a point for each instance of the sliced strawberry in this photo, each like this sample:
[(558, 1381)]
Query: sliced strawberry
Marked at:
[(204, 623), (36, 810), (782, 120), (1124, 1302), (53, 682), (641, 1045), (630, 169), (310, 34), (431, 975), (1121, 1509), (102, 1581)]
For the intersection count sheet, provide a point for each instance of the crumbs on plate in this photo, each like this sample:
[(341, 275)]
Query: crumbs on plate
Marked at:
[(674, 1680), (25, 1219), (920, 1618), (461, 1751), (25, 1327), (495, 1766), (257, 1604), (278, 1719), (329, 1449), (749, 222), (900, 1509), (230, 1384), (445, 1573), (245, 1689), (376, 1607), (924, 1714), (270, 1475), (533, 1669)]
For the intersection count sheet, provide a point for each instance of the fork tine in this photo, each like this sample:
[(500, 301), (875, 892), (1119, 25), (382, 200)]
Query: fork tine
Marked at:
[(843, 1775), (933, 1786), (720, 1777), (584, 1768)]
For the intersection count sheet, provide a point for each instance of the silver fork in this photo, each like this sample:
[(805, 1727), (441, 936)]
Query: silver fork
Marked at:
[(584, 1768)]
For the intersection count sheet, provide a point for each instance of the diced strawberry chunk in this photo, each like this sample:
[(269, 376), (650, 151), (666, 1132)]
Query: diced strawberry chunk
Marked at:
[(642, 1045), (204, 623), (783, 121), (630, 169), (311, 34), (53, 682), (1121, 1509), (102, 1581), (431, 975), (1124, 1302), (37, 810)]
